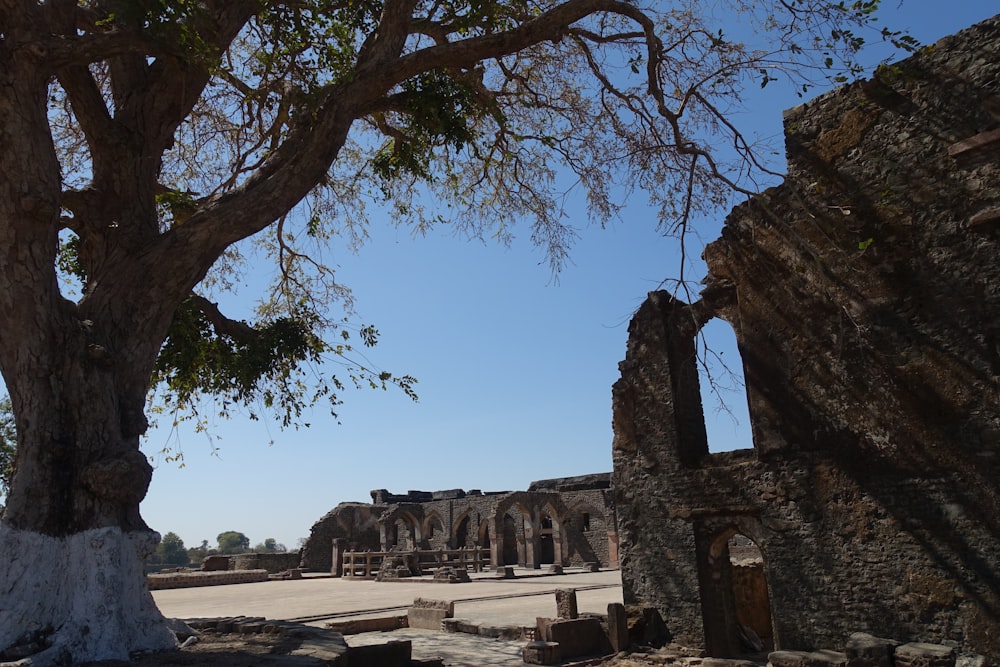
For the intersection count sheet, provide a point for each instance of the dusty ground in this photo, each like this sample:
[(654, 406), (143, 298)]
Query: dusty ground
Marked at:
[(235, 650), (226, 650)]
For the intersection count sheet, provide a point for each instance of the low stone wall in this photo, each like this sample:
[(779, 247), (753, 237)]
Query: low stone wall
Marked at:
[(273, 563), (192, 579)]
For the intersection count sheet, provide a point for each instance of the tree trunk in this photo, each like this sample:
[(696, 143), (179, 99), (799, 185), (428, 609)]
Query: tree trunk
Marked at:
[(71, 537), (72, 542)]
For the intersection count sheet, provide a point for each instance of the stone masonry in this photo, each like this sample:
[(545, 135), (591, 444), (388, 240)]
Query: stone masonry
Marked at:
[(864, 293), (566, 521)]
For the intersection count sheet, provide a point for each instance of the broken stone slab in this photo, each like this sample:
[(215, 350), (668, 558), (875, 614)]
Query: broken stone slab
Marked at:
[(378, 624), (865, 650), (541, 653), (250, 627), (919, 654), (331, 650), (822, 658), (507, 632), (578, 637)]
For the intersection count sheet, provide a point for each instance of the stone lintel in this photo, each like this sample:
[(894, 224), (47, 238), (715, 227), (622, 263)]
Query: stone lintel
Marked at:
[(975, 143)]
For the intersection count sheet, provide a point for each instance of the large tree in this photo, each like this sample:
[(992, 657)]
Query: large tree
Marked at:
[(145, 141)]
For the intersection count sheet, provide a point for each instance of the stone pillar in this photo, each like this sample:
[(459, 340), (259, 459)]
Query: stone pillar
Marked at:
[(337, 564), (566, 603), (532, 546), (496, 544), (612, 549), (617, 627)]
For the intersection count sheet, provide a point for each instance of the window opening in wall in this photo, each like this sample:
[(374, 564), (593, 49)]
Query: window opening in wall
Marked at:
[(723, 388), (586, 521)]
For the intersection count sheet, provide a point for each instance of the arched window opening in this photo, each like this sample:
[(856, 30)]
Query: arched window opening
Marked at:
[(723, 388)]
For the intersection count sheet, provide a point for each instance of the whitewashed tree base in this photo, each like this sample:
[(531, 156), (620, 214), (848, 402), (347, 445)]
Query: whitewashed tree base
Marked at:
[(89, 588)]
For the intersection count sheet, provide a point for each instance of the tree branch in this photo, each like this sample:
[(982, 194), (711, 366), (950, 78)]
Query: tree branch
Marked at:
[(224, 326)]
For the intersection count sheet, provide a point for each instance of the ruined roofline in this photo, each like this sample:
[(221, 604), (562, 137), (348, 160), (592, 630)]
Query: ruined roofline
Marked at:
[(600, 480), (384, 497)]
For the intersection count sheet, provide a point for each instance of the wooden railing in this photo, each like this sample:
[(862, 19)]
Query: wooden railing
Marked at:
[(366, 564)]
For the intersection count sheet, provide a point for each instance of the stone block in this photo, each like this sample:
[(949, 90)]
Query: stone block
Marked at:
[(822, 658), (591, 567), (505, 572), (447, 605), (577, 637), (617, 627), (215, 563), (541, 653), (555, 568), (468, 627), (542, 625), (378, 624), (918, 654), (727, 662), (425, 618), (566, 603), (865, 650), (393, 654)]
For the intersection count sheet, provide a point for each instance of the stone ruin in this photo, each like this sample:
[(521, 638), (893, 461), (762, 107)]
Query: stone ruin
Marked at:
[(566, 521), (864, 293)]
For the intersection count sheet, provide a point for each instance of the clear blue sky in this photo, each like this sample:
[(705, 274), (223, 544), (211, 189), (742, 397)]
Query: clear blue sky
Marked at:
[(515, 371)]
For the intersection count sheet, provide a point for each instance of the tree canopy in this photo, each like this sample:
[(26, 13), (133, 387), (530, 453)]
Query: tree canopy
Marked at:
[(288, 122), (232, 542)]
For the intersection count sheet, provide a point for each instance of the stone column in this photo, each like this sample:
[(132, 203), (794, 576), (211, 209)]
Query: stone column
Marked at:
[(566, 603), (337, 564)]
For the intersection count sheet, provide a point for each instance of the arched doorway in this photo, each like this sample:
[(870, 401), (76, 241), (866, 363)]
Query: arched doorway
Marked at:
[(735, 601), (509, 540), (461, 534), (546, 543)]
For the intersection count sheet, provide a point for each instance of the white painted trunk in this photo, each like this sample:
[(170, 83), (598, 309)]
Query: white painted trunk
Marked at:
[(89, 588)]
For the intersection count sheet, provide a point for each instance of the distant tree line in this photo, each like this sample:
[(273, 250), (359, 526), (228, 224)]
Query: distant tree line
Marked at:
[(171, 552)]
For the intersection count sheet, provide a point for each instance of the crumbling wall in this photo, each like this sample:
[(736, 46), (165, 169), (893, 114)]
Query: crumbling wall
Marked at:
[(865, 297), (357, 523)]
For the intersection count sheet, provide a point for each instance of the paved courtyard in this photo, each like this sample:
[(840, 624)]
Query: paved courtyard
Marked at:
[(484, 601)]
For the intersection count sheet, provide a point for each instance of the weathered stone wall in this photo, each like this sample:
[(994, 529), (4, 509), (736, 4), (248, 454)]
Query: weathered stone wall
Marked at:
[(273, 563), (194, 579), (865, 297), (357, 523)]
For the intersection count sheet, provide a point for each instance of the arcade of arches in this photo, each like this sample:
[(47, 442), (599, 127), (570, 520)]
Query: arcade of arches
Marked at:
[(566, 521)]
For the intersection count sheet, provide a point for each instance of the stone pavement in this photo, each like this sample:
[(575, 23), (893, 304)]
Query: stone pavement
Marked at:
[(485, 600)]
